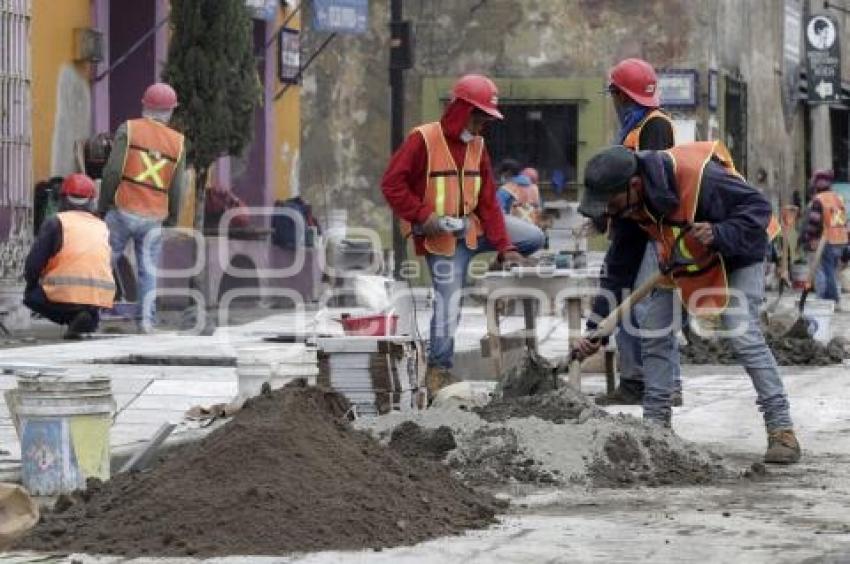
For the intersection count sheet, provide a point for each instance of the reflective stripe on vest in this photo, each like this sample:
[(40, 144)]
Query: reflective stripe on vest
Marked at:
[(526, 204), (703, 284), (153, 150), (632, 140), (834, 217), (451, 191), (81, 272)]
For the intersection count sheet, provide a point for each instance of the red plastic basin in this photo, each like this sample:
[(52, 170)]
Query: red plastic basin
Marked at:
[(369, 325)]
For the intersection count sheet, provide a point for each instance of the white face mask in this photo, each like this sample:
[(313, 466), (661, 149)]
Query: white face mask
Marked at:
[(466, 136)]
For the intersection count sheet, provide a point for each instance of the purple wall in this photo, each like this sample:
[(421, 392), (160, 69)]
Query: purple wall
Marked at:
[(128, 21)]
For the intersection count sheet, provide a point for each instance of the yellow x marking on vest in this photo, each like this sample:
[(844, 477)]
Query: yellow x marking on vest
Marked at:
[(151, 170)]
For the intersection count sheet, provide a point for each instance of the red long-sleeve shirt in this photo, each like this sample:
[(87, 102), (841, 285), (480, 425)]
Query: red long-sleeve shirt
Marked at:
[(405, 180)]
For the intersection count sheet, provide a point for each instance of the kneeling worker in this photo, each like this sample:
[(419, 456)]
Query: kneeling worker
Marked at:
[(699, 211), (68, 270)]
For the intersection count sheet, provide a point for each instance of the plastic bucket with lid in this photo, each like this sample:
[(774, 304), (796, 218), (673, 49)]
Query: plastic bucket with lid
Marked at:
[(63, 424), (818, 314)]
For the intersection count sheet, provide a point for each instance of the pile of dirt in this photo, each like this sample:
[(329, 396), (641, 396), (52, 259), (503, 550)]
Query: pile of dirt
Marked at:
[(287, 474), (412, 440), (558, 437), (789, 351)]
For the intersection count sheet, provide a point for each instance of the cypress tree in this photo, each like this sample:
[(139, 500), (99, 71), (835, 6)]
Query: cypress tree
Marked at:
[(211, 65)]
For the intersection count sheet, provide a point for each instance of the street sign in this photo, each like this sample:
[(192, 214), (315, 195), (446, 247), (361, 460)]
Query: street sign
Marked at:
[(678, 88), (823, 59), (341, 16)]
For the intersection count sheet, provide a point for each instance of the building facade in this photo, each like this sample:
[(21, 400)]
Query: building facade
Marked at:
[(550, 60)]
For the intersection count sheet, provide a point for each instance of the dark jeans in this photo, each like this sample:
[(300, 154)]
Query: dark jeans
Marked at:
[(60, 313)]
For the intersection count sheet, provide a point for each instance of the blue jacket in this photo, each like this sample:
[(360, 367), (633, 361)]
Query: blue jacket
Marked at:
[(738, 213)]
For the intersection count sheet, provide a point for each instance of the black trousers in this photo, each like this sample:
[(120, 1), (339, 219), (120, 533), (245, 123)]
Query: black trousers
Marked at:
[(60, 313)]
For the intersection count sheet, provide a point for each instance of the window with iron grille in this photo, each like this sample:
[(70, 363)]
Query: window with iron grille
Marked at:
[(541, 134), (15, 134)]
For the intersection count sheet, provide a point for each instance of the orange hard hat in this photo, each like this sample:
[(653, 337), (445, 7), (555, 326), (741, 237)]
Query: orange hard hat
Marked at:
[(160, 96), (479, 91), (636, 79), (78, 186), (532, 174)]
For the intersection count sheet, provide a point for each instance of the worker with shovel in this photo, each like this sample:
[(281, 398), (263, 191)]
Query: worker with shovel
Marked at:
[(827, 219), (440, 183), (709, 224)]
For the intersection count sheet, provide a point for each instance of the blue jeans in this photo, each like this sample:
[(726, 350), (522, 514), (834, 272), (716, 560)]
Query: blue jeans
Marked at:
[(147, 242), (747, 285), (629, 342), (826, 284), (448, 276)]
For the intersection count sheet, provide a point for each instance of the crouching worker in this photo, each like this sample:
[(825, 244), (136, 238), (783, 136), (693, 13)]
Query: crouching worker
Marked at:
[(68, 270), (704, 218)]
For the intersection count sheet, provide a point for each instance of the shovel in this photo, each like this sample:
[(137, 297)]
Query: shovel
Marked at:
[(792, 322), (571, 364)]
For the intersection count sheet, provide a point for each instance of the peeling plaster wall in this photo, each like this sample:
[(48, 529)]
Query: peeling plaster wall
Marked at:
[(345, 97), (73, 120)]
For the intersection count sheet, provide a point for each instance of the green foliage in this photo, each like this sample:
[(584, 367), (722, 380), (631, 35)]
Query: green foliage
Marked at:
[(211, 65)]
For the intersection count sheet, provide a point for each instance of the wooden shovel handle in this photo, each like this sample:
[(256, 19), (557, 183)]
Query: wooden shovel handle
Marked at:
[(609, 324)]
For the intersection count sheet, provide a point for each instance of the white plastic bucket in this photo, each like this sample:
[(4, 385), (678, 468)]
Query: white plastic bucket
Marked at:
[(819, 315), (64, 427)]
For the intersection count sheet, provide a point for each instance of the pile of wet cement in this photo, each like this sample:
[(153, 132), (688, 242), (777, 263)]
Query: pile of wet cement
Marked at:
[(556, 437), (789, 351), (287, 474)]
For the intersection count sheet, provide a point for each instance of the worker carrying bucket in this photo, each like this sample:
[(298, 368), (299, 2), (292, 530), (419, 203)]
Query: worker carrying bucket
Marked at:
[(694, 205)]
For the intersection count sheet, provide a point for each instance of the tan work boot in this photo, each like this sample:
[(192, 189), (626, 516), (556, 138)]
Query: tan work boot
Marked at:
[(436, 379), (782, 447)]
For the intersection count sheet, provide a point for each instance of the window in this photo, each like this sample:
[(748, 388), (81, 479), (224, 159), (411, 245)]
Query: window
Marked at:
[(541, 134), (15, 136)]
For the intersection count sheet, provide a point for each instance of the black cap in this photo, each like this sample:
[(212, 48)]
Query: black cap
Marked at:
[(607, 174)]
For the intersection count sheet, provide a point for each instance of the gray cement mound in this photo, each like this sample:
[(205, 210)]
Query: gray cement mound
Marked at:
[(558, 437)]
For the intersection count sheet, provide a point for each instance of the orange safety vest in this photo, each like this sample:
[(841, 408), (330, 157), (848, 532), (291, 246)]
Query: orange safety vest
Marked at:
[(834, 217), (632, 140), (703, 285), (451, 191), (153, 150), (81, 272), (526, 204)]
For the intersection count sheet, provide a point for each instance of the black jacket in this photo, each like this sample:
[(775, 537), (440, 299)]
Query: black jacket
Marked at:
[(738, 213)]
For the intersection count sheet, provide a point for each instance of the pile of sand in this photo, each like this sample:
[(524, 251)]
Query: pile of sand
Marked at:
[(789, 351), (287, 474)]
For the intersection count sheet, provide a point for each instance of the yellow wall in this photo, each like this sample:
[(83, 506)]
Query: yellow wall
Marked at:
[(52, 43), (287, 127)]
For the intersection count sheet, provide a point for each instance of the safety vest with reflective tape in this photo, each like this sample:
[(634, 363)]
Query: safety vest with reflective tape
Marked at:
[(703, 284), (834, 217), (153, 150), (81, 272), (451, 191), (526, 204), (632, 140)]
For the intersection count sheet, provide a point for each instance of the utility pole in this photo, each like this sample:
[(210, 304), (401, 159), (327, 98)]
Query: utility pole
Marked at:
[(401, 58)]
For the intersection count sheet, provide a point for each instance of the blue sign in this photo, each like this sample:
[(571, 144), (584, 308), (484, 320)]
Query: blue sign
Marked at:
[(341, 16)]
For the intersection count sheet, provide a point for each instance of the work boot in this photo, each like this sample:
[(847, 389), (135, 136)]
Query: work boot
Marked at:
[(782, 447), (81, 323), (627, 393), (436, 379)]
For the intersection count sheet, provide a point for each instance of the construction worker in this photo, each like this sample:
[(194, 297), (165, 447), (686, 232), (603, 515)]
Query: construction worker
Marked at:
[(441, 174), (633, 87), (520, 197), (827, 217), (142, 188), (710, 223), (68, 269)]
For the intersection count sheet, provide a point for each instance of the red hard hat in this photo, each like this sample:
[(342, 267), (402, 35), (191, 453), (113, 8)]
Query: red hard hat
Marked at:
[(531, 173), (637, 79), (479, 91), (160, 96), (78, 186)]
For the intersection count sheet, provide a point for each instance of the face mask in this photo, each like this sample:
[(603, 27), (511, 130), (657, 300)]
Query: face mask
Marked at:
[(466, 136)]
